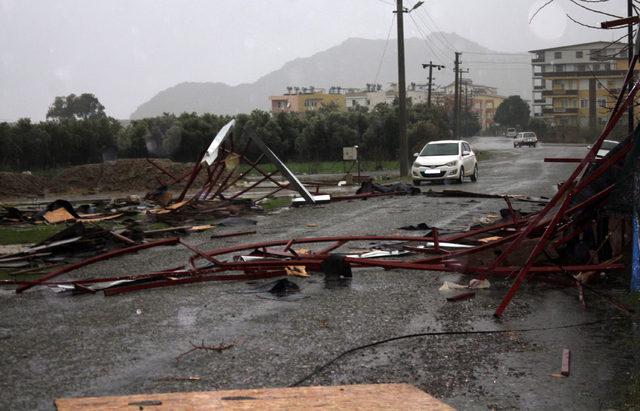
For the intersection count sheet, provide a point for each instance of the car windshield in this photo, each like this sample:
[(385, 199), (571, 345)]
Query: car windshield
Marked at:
[(529, 135), (442, 149)]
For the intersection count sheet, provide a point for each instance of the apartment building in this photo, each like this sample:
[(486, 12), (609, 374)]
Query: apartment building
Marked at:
[(374, 95), (479, 99), (577, 85), (304, 99)]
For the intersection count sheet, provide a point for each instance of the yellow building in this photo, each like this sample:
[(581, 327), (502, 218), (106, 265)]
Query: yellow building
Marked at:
[(479, 99), (301, 100), (577, 85)]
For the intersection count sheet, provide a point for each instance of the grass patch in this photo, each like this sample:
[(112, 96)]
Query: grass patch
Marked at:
[(27, 234), (275, 203), (328, 167), (484, 155)]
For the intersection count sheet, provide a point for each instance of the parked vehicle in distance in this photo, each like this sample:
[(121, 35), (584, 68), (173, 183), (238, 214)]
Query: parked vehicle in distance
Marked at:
[(512, 132), (607, 145), (445, 160), (526, 138)]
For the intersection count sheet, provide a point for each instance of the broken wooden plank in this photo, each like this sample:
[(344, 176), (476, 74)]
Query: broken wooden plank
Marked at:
[(56, 216), (341, 397), (566, 362)]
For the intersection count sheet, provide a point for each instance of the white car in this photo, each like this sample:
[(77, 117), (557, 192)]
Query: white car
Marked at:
[(445, 160), (527, 138), (511, 132), (607, 145)]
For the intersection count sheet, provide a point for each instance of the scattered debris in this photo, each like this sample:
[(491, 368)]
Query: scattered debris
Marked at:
[(297, 271), (566, 362), (217, 348), (398, 188), (417, 227), (235, 234), (284, 287), (462, 296)]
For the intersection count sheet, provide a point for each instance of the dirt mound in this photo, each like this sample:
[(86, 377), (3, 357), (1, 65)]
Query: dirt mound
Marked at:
[(21, 184), (128, 175), (121, 175)]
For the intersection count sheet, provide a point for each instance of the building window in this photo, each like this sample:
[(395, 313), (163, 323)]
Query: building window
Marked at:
[(596, 67), (557, 55), (310, 103), (584, 103), (581, 67), (607, 66), (602, 102), (559, 68), (578, 54)]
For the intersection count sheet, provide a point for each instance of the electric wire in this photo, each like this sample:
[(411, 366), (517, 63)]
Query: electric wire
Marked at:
[(439, 32), (442, 333), (386, 46), (426, 42)]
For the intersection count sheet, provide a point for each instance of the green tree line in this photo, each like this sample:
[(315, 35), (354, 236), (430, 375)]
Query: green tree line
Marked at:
[(72, 137)]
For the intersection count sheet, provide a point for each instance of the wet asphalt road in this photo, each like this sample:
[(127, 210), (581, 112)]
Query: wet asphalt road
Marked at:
[(53, 346)]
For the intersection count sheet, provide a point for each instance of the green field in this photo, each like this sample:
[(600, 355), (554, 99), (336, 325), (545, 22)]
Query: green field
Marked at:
[(330, 167)]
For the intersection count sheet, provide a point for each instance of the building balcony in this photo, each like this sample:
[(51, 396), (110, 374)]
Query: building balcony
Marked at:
[(538, 59), (538, 87), (586, 74), (539, 101), (559, 110), (560, 92)]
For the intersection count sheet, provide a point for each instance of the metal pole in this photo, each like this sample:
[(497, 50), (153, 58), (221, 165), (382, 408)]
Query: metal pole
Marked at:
[(455, 95), (630, 55), (430, 80), (402, 97), (635, 254)]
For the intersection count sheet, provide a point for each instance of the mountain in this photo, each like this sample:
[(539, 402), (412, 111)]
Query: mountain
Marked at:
[(353, 63)]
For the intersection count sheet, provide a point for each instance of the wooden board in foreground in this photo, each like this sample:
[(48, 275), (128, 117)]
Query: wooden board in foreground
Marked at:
[(341, 397)]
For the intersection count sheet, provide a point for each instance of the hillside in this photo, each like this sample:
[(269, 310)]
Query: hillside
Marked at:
[(350, 64)]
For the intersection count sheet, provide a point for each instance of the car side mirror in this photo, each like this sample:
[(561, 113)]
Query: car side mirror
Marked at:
[(466, 153), (416, 154)]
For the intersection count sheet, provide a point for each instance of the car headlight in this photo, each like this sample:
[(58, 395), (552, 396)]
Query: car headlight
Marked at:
[(452, 163)]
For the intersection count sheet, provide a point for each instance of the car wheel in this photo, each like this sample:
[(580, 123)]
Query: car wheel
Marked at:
[(459, 180), (474, 176), (515, 145), (534, 145), (417, 183)]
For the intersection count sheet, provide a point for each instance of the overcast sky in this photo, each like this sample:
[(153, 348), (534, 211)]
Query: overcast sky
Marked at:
[(125, 51)]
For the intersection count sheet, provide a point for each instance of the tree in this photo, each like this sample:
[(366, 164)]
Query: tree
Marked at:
[(469, 124), (86, 106), (513, 112)]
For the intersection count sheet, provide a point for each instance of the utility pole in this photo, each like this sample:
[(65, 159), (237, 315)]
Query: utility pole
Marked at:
[(456, 65), (402, 95), (459, 117), (431, 66), (630, 55)]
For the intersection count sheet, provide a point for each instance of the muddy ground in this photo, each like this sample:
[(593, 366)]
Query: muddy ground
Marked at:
[(57, 346)]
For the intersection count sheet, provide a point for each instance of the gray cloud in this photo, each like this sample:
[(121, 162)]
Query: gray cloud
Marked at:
[(126, 51)]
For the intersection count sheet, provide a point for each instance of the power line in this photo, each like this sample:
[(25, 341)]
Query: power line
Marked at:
[(343, 354), (386, 45), (497, 53), (445, 42), (502, 62), (424, 37)]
